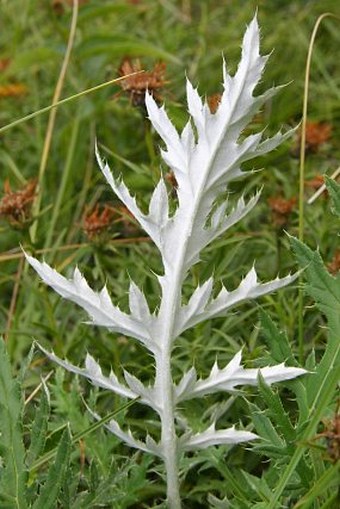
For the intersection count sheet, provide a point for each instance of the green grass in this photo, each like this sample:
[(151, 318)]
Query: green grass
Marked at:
[(291, 466)]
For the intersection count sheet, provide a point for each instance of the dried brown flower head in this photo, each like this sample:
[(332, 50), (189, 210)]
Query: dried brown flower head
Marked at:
[(281, 210), (315, 183), (136, 86), (15, 206), (317, 134), (12, 90), (97, 224)]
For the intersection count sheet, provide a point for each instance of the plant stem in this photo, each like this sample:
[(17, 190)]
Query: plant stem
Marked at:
[(171, 282), (169, 437), (171, 290)]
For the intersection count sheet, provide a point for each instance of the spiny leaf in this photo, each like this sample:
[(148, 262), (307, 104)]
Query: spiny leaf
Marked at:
[(148, 395), (249, 288), (12, 472), (276, 410), (320, 388), (265, 429), (211, 436), (93, 373), (322, 286), (97, 304), (39, 428), (234, 374), (205, 157), (138, 304), (149, 446), (325, 289), (275, 339), (151, 223), (50, 491)]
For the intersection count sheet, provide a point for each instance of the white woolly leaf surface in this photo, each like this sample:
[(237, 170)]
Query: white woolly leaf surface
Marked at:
[(93, 373), (205, 158), (97, 304), (211, 436), (234, 375)]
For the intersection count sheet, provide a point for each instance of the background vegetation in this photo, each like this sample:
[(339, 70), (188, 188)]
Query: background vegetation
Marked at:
[(189, 37)]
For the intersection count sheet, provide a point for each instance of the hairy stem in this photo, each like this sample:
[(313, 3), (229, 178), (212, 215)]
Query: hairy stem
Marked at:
[(169, 437), (167, 315)]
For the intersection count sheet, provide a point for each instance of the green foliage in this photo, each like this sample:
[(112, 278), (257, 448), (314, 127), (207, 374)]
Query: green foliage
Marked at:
[(25, 480), (15, 490), (39, 429), (334, 191), (291, 446), (320, 385), (49, 492), (12, 472)]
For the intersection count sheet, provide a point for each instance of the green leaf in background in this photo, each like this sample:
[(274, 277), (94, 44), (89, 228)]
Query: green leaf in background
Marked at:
[(50, 491), (280, 350), (39, 428), (320, 385), (321, 285), (116, 46), (334, 191), (12, 469), (275, 339), (38, 57), (90, 12), (329, 480), (276, 410), (325, 290)]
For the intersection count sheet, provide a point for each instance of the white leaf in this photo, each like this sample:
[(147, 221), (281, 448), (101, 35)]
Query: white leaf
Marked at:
[(248, 289), (186, 385), (120, 189), (205, 162), (138, 304), (97, 304), (234, 375), (93, 373), (249, 70), (238, 213), (196, 109), (205, 158), (211, 436), (220, 223), (150, 446), (177, 156), (159, 207), (148, 395), (196, 304)]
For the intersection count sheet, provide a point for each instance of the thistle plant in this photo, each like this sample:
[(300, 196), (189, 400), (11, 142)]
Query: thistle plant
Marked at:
[(205, 158)]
